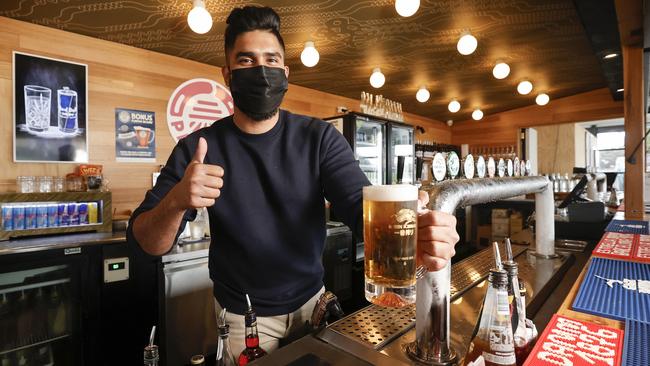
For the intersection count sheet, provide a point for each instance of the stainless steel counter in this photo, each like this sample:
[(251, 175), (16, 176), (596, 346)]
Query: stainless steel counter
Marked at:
[(26, 245), (374, 331)]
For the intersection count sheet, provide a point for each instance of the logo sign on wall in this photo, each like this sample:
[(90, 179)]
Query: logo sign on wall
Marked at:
[(195, 104)]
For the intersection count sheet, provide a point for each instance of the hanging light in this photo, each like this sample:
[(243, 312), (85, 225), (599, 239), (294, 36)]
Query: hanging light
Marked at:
[(542, 99), (467, 44), (309, 55), (501, 70), (199, 19), (406, 8), (377, 79), (450, 122), (525, 87), (454, 106), (422, 95), (477, 114)]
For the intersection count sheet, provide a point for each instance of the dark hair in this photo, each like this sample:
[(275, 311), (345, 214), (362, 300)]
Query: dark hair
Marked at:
[(251, 18)]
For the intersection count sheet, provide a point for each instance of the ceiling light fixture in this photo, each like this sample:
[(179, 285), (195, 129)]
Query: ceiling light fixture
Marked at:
[(450, 122), (454, 106), (199, 19), (377, 79), (309, 55), (501, 70), (406, 8), (619, 90), (467, 44), (542, 99), (610, 55), (477, 114), (422, 95), (525, 87)]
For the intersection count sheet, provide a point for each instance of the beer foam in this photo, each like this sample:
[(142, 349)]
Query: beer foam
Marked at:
[(391, 193)]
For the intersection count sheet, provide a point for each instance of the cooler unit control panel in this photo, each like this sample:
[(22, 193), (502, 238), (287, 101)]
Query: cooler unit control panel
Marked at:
[(116, 269)]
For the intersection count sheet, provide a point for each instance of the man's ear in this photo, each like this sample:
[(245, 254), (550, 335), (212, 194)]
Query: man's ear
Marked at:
[(225, 72), (286, 71)]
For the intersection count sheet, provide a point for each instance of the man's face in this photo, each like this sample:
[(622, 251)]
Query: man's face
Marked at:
[(255, 48)]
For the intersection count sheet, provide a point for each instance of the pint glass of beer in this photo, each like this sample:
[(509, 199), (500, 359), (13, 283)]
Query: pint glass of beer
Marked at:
[(390, 239)]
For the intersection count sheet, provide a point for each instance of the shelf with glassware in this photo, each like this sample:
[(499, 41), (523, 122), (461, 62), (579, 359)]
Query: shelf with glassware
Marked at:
[(27, 214)]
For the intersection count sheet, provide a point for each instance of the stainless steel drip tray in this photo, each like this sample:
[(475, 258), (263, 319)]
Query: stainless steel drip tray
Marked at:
[(375, 329)]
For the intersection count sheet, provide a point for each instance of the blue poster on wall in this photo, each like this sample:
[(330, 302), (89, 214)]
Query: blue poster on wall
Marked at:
[(135, 135)]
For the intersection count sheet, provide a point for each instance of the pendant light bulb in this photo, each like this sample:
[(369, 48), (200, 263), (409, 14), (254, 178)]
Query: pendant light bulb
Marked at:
[(199, 19), (542, 99), (422, 95), (501, 70), (309, 55), (377, 79), (454, 106), (467, 44), (477, 114), (525, 87), (406, 8)]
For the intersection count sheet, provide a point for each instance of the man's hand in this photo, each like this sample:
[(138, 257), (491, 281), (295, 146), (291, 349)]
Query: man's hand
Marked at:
[(436, 236), (201, 183)]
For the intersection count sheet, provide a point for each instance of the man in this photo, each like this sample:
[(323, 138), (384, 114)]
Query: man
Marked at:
[(263, 174)]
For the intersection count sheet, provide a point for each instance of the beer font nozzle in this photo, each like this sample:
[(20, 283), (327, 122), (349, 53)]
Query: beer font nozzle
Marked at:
[(497, 255)]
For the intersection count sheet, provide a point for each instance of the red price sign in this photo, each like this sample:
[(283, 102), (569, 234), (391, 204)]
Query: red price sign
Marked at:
[(570, 342)]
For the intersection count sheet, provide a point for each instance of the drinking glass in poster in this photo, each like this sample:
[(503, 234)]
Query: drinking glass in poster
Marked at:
[(50, 110)]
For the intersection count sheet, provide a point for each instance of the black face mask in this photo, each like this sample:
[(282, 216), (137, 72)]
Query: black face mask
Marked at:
[(258, 91)]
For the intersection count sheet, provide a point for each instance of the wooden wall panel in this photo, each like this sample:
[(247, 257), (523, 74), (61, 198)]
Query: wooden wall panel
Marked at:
[(502, 128), (123, 76), (556, 148)]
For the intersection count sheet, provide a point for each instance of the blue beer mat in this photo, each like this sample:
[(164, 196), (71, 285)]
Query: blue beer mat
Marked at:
[(628, 227), (635, 347), (615, 289)]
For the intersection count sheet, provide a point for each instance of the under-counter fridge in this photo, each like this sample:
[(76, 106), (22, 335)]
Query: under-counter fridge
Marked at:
[(384, 148)]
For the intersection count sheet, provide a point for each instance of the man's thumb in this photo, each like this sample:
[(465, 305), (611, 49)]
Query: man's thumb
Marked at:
[(201, 151)]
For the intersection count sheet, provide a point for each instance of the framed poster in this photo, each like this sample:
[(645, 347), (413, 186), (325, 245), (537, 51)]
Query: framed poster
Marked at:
[(135, 135), (50, 110)]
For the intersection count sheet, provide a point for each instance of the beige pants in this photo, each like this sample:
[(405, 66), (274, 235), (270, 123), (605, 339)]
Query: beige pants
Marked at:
[(270, 328)]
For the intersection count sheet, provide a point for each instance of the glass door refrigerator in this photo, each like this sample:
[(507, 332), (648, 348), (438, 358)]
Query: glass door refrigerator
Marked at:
[(367, 137), (401, 154)]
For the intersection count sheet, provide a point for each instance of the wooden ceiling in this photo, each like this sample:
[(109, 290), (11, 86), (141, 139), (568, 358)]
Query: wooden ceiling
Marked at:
[(542, 40)]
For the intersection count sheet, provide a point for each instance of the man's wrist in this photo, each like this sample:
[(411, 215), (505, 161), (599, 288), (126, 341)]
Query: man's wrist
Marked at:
[(171, 203)]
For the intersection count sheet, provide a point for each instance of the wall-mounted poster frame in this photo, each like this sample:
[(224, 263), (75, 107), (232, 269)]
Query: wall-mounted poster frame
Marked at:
[(50, 109)]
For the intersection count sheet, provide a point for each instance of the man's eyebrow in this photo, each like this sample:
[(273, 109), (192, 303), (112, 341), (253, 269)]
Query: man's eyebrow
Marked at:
[(245, 54), (268, 54)]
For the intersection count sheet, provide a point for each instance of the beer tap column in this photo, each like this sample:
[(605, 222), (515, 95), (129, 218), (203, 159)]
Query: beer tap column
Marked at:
[(432, 326)]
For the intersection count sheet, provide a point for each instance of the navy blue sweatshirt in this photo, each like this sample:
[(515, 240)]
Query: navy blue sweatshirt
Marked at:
[(268, 226)]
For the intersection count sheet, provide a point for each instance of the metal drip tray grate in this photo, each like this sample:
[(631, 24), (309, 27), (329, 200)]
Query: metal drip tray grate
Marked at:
[(375, 326), (468, 272)]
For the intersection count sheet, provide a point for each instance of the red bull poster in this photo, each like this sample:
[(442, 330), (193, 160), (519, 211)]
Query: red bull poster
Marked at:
[(195, 104)]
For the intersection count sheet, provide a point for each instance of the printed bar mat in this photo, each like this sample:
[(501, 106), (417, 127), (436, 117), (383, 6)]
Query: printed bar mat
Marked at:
[(567, 341), (615, 289), (631, 247), (637, 338), (628, 227)]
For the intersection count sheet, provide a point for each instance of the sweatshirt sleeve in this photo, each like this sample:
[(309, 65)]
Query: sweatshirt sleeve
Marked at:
[(170, 175), (342, 179)]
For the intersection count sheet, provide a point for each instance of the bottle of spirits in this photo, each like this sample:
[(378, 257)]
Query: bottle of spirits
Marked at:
[(224, 353), (151, 355), (517, 307), (253, 350), (494, 339)]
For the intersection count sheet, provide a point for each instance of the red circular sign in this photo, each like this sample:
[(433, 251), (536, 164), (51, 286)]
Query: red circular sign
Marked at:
[(195, 104)]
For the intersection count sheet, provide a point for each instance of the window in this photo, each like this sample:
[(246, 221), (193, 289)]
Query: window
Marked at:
[(610, 154)]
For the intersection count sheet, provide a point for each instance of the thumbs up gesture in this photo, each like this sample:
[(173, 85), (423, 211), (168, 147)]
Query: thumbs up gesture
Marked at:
[(201, 184)]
